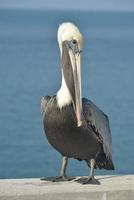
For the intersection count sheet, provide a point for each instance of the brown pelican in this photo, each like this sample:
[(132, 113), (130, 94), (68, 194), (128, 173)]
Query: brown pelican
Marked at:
[(75, 126)]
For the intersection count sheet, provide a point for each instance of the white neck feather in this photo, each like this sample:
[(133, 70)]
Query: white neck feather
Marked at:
[(63, 95)]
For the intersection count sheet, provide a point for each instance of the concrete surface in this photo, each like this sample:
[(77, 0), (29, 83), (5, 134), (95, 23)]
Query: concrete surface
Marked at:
[(119, 187)]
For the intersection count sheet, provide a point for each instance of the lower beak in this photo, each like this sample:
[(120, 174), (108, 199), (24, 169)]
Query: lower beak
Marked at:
[(75, 59)]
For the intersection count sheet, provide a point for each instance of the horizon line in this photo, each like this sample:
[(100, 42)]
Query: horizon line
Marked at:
[(66, 9)]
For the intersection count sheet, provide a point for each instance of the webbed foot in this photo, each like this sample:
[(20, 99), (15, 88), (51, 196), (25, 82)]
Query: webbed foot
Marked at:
[(61, 178), (91, 180)]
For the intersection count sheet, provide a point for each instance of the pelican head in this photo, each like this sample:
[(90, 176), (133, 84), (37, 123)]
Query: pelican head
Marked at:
[(69, 32), (70, 44)]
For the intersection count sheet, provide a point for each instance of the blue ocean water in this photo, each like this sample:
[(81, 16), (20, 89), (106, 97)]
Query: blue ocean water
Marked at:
[(30, 68)]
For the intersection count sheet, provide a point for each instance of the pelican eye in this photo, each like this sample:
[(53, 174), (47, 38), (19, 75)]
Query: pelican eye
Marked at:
[(74, 41)]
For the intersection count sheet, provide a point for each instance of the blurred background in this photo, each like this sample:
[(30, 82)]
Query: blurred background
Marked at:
[(30, 68)]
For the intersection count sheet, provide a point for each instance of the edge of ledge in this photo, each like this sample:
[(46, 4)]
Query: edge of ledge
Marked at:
[(34, 187)]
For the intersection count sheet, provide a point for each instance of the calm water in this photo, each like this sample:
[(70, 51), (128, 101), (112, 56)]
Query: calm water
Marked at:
[(30, 68)]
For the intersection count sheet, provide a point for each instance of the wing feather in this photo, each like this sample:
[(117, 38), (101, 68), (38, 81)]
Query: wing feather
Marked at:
[(44, 102), (99, 120)]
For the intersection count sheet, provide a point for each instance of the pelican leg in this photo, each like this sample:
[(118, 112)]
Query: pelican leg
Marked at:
[(91, 179), (62, 176)]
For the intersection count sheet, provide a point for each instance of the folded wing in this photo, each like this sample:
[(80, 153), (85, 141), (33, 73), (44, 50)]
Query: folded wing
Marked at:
[(99, 121)]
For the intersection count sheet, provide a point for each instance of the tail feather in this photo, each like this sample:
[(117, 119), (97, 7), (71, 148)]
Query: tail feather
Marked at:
[(105, 164)]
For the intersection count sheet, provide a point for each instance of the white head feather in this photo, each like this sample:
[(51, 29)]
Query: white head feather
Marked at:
[(68, 31)]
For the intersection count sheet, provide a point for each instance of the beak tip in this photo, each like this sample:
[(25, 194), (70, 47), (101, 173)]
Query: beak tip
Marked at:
[(79, 123)]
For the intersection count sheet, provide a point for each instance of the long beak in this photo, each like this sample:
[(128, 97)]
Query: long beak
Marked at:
[(75, 58)]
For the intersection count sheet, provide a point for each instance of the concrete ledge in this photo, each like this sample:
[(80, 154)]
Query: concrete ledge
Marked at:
[(119, 187)]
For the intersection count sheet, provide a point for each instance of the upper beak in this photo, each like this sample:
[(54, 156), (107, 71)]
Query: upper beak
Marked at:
[(75, 59)]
